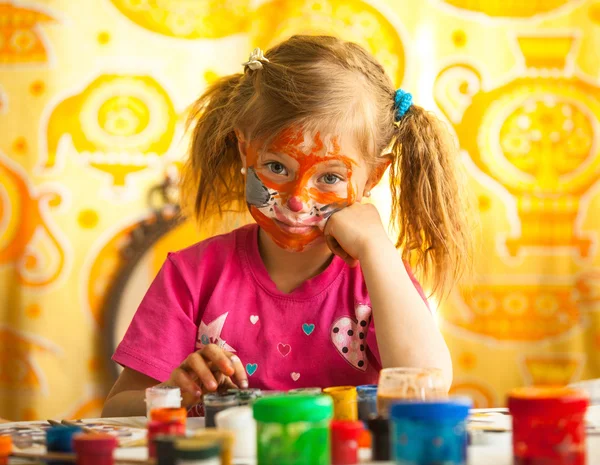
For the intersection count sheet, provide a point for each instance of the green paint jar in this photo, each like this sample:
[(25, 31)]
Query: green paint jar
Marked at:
[(293, 430)]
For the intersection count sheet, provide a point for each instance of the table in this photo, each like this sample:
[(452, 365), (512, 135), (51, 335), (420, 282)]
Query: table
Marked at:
[(490, 448)]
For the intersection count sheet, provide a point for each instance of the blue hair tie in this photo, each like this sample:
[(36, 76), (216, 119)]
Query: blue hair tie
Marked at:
[(402, 102)]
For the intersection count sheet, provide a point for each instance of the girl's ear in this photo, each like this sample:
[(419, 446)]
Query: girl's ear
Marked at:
[(377, 172), (242, 146)]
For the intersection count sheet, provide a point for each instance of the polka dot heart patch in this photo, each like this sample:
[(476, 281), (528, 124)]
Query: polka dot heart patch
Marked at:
[(350, 337)]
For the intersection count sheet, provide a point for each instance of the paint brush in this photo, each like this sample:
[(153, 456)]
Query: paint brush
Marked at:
[(140, 442), (72, 457), (122, 442), (85, 429)]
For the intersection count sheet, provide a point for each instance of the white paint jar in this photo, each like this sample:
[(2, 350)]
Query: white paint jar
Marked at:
[(161, 397), (241, 421)]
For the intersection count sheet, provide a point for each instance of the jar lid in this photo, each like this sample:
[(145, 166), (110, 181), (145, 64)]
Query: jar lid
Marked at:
[(244, 392), (196, 449), (546, 400), (219, 397), (163, 394), (368, 389), (247, 394), (339, 389), (5, 445), (291, 409), (94, 443), (347, 430), (306, 390), (452, 409), (272, 393)]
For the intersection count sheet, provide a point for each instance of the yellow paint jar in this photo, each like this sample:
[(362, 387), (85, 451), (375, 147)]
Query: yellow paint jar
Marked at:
[(224, 437), (344, 402)]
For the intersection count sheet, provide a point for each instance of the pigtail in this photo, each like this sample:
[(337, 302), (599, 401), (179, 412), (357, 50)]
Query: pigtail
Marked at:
[(212, 181), (428, 203)]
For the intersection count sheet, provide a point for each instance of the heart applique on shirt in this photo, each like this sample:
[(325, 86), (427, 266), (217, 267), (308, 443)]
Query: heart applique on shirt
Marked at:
[(350, 337)]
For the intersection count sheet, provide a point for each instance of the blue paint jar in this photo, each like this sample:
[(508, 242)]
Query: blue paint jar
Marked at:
[(60, 439), (366, 396), (429, 433)]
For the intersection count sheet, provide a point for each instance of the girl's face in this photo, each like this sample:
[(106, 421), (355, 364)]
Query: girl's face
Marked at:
[(296, 183)]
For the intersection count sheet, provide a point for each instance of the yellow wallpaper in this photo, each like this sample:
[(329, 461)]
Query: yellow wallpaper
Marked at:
[(92, 98)]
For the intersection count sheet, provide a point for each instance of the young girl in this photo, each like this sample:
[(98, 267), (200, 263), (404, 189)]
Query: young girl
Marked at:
[(314, 293)]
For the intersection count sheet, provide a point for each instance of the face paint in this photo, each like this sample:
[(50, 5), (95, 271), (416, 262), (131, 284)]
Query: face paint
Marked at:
[(293, 207)]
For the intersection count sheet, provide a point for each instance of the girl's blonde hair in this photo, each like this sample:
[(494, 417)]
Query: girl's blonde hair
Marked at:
[(324, 83)]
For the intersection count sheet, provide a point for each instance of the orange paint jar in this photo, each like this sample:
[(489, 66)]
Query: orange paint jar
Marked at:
[(548, 426), (5, 449), (169, 414)]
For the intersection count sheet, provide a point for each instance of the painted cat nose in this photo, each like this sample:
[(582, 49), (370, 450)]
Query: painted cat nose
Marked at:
[(295, 204)]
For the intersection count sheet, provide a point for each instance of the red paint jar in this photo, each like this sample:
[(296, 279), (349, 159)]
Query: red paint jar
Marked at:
[(5, 449), (94, 449), (344, 442), (548, 426), (155, 428)]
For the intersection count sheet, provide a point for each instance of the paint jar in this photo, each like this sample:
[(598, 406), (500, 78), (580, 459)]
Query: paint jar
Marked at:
[(344, 402), (6, 447), (225, 438), (169, 414), (194, 451), (591, 387), (308, 391), (397, 384), (344, 442), (548, 425), (293, 430), (164, 445), (162, 396), (247, 396), (60, 439), (430, 432), (380, 439), (240, 421), (272, 393), (156, 428), (214, 403), (249, 390), (366, 397), (94, 448)]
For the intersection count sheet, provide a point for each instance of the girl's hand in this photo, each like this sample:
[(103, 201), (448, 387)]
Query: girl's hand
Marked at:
[(352, 230), (205, 371)]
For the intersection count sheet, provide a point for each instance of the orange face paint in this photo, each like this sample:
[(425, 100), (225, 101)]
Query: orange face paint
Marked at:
[(288, 189)]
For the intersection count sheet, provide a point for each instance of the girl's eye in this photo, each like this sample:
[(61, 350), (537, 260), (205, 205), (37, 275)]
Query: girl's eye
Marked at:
[(277, 168), (330, 179)]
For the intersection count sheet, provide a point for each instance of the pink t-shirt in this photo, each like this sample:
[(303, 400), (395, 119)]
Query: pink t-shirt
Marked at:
[(218, 291)]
